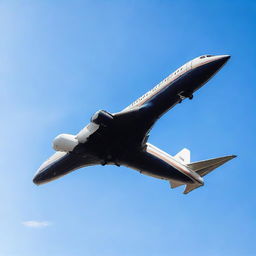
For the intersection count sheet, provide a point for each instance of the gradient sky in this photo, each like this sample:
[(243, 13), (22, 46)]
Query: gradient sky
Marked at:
[(60, 61)]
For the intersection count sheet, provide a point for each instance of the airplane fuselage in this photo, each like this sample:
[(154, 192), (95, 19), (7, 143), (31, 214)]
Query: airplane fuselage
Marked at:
[(121, 138)]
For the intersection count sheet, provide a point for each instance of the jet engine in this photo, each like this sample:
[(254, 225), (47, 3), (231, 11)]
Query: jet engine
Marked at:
[(102, 117), (65, 142)]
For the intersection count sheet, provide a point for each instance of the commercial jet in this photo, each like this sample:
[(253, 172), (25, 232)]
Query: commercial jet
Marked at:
[(121, 138)]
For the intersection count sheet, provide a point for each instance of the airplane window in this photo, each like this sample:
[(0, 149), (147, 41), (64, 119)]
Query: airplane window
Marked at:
[(209, 55), (202, 57)]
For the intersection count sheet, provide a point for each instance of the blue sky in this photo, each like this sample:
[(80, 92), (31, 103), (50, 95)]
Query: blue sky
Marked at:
[(60, 61)]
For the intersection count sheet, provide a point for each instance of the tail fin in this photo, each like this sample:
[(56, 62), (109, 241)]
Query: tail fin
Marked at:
[(183, 156), (206, 166)]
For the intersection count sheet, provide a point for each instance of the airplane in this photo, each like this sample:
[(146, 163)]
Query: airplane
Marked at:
[(121, 138)]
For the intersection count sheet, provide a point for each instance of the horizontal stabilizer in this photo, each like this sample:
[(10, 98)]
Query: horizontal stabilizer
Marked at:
[(206, 166), (202, 168), (175, 184), (183, 156), (190, 187)]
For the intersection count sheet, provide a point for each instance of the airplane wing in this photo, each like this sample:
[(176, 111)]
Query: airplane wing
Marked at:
[(143, 117), (60, 164)]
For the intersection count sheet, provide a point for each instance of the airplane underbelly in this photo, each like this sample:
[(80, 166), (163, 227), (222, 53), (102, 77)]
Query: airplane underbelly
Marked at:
[(170, 175), (153, 166)]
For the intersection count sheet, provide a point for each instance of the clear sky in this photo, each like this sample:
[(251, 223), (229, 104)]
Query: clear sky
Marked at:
[(60, 61)]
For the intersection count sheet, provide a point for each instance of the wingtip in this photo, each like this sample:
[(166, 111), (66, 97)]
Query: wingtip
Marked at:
[(229, 157)]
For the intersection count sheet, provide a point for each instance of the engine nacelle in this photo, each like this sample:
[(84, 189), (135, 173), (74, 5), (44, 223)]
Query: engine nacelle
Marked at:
[(102, 117), (86, 132), (65, 142)]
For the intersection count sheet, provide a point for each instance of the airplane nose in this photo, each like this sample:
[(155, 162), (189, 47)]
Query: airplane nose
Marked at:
[(227, 57), (216, 63), (221, 59), (205, 68)]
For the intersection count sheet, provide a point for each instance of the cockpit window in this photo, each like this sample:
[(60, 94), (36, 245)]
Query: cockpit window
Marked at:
[(204, 56)]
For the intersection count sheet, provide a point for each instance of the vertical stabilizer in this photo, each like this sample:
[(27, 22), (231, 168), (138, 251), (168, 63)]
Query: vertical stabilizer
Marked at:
[(183, 156)]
